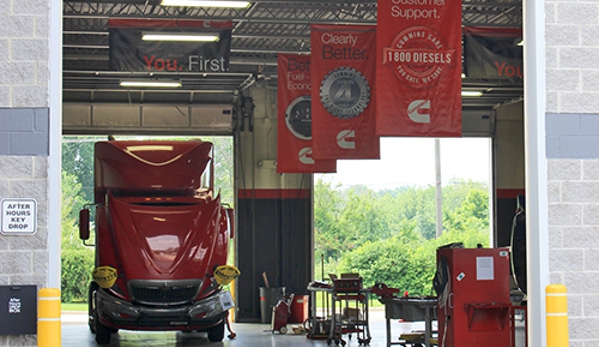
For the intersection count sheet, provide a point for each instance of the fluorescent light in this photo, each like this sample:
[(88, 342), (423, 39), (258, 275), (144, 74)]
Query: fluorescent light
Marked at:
[(170, 36), (471, 93), (150, 83), (206, 3)]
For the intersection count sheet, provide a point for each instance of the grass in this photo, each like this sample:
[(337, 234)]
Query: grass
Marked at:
[(74, 306)]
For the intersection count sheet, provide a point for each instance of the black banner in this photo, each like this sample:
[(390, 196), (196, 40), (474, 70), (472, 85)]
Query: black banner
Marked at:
[(128, 52), (493, 53)]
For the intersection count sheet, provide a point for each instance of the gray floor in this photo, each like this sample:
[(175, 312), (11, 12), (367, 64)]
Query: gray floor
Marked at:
[(76, 333)]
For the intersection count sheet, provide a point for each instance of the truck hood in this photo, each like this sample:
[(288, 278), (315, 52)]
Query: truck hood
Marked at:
[(176, 238)]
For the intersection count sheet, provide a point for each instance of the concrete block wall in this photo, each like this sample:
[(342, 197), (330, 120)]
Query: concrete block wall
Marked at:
[(573, 194), (24, 51), (24, 140), (572, 147)]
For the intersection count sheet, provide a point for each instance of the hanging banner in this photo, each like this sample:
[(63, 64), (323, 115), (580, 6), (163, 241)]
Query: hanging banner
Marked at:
[(294, 124), (493, 53), (130, 52), (419, 63), (343, 70)]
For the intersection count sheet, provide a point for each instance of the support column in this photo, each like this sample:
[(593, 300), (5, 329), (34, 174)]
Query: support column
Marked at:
[(274, 211)]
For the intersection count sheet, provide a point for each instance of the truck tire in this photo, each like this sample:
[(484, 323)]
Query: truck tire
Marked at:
[(102, 334), (217, 332)]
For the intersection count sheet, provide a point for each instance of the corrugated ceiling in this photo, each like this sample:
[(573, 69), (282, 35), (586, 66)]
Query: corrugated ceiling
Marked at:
[(259, 33)]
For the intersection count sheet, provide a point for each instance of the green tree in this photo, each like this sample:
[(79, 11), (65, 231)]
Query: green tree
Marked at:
[(72, 202), (77, 261), (223, 167), (78, 160), (389, 236), (327, 235)]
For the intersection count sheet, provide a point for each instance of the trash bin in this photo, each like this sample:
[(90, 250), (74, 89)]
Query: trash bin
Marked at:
[(269, 297)]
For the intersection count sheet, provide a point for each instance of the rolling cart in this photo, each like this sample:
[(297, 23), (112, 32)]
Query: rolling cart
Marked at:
[(318, 323), (280, 315), (349, 305), (348, 311)]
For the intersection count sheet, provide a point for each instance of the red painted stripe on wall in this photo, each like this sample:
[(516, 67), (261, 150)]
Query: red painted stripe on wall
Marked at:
[(273, 193), (508, 193)]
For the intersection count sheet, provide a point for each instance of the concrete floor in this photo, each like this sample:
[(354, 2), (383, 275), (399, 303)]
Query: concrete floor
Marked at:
[(75, 333)]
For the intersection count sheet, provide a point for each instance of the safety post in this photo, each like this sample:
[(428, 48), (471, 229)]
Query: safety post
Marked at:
[(48, 318), (556, 307)]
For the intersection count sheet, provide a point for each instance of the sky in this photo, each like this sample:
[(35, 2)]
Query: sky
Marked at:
[(411, 161)]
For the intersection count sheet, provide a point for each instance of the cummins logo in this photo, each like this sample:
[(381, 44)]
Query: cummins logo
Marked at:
[(419, 111), (346, 139), (305, 156)]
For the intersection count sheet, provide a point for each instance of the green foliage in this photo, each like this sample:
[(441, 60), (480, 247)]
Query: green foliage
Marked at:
[(72, 202), (78, 160), (389, 236), (77, 261), (77, 266)]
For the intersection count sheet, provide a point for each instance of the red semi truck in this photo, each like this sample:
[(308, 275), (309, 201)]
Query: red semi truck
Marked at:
[(161, 240)]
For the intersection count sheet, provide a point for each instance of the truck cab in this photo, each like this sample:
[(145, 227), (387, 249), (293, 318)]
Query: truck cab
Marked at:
[(160, 235)]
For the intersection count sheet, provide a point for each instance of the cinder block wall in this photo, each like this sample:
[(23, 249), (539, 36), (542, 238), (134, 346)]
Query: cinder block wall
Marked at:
[(24, 124), (572, 138)]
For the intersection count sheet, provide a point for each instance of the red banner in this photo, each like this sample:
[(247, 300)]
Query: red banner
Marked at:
[(419, 65), (343, 70), (294, 138)]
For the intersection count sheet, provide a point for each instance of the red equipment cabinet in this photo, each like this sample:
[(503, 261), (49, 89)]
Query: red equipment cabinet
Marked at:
[(474, 301)]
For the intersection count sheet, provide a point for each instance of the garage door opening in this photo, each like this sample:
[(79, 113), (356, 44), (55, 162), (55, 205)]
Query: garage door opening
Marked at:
[(378, 218), (77, 260)]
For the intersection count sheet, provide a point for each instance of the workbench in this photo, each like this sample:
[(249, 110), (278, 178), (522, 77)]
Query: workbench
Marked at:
[(410, 309)]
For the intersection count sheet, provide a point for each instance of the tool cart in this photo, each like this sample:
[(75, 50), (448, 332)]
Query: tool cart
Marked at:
[(348, 310), (318, 323)]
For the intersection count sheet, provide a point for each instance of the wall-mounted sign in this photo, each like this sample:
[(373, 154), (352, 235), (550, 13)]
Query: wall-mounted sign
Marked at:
[(19, 216)]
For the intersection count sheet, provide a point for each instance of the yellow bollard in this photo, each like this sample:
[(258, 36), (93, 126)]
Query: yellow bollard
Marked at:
[(556, 311), (48, 318)]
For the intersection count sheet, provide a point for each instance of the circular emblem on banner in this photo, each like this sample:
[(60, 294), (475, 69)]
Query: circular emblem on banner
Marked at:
[(344, 92), (298, 117), (419, 56)]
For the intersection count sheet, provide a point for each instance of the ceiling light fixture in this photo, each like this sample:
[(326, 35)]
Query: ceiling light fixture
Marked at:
[(150, 84), (471, 93), (179, 37), (206, 3)]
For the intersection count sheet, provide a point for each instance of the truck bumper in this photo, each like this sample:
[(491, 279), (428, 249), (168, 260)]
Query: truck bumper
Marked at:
[(120, 314)]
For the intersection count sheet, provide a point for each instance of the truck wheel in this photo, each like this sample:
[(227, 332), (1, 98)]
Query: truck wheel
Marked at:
[(217, 332), (283, 330), (102, 334)]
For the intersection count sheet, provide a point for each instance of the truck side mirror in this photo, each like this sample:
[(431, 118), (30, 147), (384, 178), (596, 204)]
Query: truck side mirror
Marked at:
[(84, 224), (231, 213)]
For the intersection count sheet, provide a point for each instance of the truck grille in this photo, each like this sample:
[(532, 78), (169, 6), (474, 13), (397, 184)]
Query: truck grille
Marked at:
[(174, 292)]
